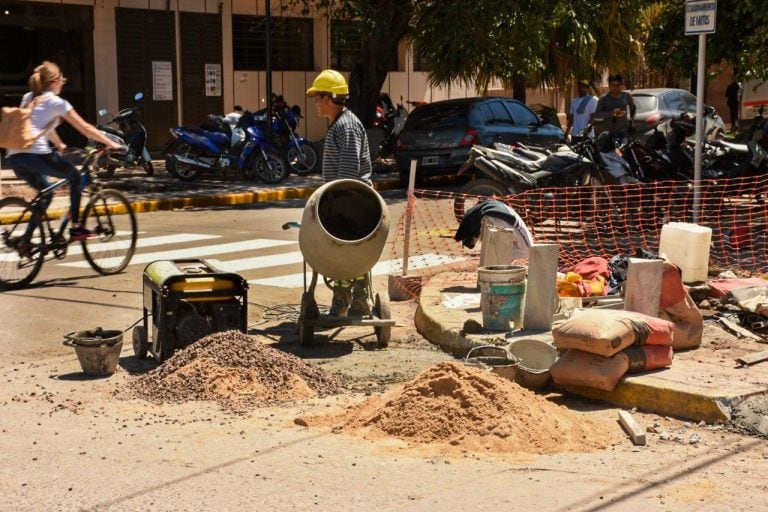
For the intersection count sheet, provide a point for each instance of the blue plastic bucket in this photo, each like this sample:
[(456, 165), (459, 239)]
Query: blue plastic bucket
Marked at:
[(502, 304)]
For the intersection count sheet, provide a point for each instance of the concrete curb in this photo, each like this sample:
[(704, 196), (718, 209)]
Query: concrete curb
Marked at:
[(203, 200), (650, 392)]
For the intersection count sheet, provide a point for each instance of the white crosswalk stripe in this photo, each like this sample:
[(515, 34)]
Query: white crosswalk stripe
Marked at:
[(381, 268), (252, 264), (192, 252)]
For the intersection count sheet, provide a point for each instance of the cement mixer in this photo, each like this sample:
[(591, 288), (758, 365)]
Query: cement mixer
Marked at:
[(342, 234)]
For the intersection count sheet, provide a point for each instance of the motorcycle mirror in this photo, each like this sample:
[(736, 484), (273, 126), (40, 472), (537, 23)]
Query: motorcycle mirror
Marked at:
[(138, 96), (103, 112)]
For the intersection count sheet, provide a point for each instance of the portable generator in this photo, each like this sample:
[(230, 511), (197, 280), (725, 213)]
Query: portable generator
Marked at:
[(186, 300)]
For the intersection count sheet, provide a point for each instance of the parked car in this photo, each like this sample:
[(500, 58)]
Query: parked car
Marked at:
[(439, 135), (657, 107)]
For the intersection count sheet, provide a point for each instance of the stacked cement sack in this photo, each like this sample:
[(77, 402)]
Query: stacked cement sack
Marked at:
[(601, 345)]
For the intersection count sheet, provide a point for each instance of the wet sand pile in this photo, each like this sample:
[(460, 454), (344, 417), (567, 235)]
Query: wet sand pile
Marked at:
[(236, 370), (475, 410)]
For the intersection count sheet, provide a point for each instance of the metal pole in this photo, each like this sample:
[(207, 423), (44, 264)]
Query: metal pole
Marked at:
[(699, 127), (268, 44), (409, 217)]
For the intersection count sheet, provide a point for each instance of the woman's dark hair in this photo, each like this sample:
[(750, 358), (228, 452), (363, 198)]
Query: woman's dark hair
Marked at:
[(616, 78)]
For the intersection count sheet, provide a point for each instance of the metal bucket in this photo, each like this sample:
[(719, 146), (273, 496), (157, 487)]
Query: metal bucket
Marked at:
[(98, 351), (536, 358), (495, 359)]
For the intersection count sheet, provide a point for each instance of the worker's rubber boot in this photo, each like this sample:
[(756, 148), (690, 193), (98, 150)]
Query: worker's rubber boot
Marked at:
[(342, 297), (361, 304)]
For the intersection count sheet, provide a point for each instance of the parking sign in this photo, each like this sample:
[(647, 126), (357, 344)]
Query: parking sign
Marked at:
[(700, 16)]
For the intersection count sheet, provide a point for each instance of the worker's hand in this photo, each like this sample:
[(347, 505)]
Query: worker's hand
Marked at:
[(60, 148), (114, 146), (617, 112)]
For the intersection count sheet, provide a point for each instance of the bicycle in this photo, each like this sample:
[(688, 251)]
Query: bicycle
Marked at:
[(27, 234)]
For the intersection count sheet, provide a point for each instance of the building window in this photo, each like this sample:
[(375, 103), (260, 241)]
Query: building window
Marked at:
[(346, 43), (420, 62), (291, 43)]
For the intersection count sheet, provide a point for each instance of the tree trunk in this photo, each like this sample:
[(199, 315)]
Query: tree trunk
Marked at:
[(518, 89), (390, 20)]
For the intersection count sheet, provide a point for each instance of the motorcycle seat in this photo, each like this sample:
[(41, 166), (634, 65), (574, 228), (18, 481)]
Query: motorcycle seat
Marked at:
[(738, 148)]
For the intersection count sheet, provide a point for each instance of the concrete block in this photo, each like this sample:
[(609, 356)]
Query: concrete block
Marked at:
[(541, 291), (643, 288)]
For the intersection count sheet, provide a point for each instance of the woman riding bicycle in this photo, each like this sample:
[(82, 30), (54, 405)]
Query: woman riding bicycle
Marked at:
[(35, 164)]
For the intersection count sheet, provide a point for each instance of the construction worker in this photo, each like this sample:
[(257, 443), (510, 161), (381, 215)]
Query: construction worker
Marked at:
[(345, 156)]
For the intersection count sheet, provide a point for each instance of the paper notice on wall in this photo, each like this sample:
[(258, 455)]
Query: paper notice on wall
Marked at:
[(162, 80), (213, 79)]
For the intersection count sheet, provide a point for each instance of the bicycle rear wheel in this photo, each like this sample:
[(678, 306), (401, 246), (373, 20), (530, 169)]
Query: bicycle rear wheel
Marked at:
[(21, 257), (111, 219)]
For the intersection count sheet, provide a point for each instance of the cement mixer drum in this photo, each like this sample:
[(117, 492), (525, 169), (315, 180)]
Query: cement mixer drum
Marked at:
[(343, 229)]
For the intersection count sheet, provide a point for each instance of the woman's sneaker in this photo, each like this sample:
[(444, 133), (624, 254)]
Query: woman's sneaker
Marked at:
[(78, 233)]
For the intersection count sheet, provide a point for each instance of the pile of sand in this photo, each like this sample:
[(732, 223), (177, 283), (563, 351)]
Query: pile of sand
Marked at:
[(236, 370), (472, 409)]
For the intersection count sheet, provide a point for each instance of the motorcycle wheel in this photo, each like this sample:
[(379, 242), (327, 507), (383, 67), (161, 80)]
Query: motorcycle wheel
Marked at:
[(303, 159), (482, 187), (273, 169), (149, 169), (180, 170)]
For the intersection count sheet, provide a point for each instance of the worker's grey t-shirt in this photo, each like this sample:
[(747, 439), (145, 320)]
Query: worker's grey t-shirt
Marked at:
[(346, 153), (604, 110)]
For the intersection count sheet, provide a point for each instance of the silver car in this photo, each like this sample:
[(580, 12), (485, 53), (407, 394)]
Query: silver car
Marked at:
[(657, 107)]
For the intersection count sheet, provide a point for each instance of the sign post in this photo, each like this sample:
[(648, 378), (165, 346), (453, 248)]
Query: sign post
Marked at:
[(700, 17)]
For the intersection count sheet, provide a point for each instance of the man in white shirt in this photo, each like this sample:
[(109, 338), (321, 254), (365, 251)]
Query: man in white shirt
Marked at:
[(582, 108)]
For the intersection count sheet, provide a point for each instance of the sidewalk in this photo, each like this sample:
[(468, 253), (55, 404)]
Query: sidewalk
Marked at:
[(703, 384)]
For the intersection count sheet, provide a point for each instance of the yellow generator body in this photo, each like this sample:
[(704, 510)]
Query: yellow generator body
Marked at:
[(185, 300)]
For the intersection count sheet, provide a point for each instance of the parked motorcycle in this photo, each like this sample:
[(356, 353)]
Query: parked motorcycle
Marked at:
[(391, 119), (506, 170), (126, 129), (217, 146), (300, 154)]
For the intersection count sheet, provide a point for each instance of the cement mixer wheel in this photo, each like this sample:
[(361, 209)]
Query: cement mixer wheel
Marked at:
[(382, 311), (310, 311), (140, 343)]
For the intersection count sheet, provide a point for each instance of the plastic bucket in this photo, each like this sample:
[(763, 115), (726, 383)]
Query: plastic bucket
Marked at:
[(536, 358), (98, 351), (687, 246), (496, 359), (502, 295)]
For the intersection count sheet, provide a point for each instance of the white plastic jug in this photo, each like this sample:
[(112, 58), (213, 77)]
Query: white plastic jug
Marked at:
[(687, 246)]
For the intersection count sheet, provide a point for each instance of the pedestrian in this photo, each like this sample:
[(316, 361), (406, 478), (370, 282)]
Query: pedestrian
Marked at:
[(733, 99), (580, 113), (615, 112), (345, 156), (36, 163)]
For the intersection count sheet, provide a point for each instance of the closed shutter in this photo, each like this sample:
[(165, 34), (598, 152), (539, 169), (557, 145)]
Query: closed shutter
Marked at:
[(144, 36), (200, 45)]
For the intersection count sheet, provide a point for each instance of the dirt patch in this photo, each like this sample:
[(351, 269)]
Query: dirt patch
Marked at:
[(236, 370), (473, 410)]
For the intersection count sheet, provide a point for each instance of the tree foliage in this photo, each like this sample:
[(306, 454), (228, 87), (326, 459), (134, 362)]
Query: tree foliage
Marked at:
[(740, 38)]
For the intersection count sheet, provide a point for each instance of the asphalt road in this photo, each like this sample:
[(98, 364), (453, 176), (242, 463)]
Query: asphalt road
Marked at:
[(69, 296)]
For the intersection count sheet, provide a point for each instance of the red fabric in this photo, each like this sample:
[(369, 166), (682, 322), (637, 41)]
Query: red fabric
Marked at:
[(672, 289), (721, 287), (593, 266)]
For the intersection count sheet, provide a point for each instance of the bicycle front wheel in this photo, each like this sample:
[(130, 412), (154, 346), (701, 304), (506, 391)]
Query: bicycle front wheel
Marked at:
[(111, 219), (22, 246)]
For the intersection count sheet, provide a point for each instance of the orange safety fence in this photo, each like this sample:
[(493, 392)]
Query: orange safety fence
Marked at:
[(596, 221)]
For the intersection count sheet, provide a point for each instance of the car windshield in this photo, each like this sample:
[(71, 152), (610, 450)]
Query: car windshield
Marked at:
[(645, 103), (442, 117)]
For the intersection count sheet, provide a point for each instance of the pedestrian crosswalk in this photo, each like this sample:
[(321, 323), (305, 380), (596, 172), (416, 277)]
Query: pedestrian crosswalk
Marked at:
[(254, 259)]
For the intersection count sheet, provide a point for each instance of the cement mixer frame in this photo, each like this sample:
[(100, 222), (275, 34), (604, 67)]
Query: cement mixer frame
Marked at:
[(309, 314)]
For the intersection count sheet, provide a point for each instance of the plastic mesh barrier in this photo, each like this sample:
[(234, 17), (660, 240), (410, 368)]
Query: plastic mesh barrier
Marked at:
[(596, 221)]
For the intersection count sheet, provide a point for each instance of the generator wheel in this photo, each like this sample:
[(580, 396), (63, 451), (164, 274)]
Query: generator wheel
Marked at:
[(140, 342), (382, 311), (309, 311)]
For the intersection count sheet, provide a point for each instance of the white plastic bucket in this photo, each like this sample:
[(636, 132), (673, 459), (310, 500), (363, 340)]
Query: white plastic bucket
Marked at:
[(687, 246)]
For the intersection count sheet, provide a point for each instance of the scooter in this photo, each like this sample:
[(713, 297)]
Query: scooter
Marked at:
[(217, 146), (392, 120), (300, 154), (126, 130)]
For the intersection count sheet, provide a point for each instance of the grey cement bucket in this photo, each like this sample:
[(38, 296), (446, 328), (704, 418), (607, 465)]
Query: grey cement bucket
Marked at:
[(536, 358), (494, 358), (98, 351), (343, 229)]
